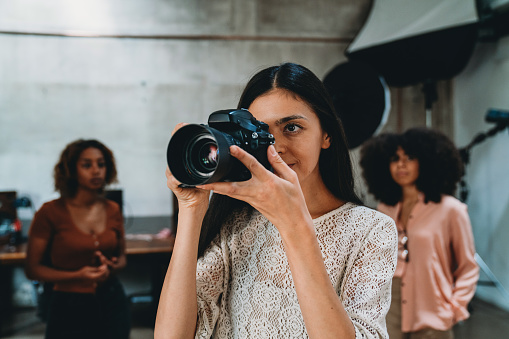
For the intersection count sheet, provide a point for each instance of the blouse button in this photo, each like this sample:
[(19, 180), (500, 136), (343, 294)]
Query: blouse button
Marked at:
[(96, 243)]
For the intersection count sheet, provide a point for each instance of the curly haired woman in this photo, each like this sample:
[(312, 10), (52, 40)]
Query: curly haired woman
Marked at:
[(414, 176), (82, 233)]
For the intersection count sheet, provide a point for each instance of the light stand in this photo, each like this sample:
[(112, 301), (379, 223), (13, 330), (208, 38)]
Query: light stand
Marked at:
[(501, 118)]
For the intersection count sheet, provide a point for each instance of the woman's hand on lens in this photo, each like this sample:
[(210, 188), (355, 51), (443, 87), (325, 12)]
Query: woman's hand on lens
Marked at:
[(187, 197), (276, 195)]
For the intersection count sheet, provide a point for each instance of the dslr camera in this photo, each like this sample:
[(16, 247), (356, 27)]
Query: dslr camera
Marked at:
[(200, 154)]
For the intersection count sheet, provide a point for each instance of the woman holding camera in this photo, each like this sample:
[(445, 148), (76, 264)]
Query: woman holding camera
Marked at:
[(414, 175), (288, 253), (77, 243)]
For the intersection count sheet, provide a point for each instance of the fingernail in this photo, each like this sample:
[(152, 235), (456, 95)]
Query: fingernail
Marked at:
[(272, 150)]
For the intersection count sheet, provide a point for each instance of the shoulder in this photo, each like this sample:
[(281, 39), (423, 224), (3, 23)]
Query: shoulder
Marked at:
[(387, 209), (367, 231), (363, 219), (46, 218), (369, 215), (112, 206), (449, 206), (114, 214), (50, 207), (448, 201), (453, 210), (378, 227)]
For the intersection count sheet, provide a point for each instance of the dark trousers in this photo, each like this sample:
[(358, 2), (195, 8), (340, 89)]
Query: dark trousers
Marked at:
[(104, 314)]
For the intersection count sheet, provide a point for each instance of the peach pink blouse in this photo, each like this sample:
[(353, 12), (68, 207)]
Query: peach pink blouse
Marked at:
[(441, 274)]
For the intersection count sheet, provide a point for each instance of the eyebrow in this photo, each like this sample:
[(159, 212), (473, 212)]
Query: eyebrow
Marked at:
[(289, 118), (90, 159)]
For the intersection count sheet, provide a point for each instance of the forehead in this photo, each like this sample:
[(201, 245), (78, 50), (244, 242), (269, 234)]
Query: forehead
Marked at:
[(400, 152), (279, 103), (91, 153)]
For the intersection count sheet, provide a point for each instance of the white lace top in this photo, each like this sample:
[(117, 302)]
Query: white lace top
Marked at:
[(245, 287)]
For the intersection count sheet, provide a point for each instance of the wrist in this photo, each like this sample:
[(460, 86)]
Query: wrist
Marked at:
[(195, 205), (298, 234), (78, 275), (193, 210)]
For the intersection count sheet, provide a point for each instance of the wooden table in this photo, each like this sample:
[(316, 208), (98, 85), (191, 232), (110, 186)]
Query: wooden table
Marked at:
[(16, 255), (152, 251)]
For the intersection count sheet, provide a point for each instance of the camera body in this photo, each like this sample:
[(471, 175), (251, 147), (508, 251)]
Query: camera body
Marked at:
[(199, 154)]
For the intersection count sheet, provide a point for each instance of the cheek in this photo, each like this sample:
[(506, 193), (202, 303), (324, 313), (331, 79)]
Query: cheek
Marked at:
[(80, 177), (308, 153), (415, 170), (392, 168)]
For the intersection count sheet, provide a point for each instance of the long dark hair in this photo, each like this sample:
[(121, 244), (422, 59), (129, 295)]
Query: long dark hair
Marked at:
[(440, 164), (65, 171), (334, 163)]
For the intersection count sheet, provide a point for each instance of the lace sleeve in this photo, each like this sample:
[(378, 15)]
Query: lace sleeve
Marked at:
[(367, 290), (210, 284)]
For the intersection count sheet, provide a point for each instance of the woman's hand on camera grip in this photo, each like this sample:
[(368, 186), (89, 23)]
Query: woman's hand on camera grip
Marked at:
[(276, 195)]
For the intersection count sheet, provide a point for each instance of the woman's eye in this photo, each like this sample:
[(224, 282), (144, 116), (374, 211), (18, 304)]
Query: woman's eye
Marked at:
[(394, 159), (86, 165), (101, 164), (292, 128)]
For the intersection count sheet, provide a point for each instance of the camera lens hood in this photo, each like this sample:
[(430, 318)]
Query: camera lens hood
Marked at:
[(185, 155)]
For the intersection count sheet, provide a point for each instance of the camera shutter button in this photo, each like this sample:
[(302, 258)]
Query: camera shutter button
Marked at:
[(254, 135)]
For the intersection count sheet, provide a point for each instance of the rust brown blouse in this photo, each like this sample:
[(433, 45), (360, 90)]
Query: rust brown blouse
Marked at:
[(69, 248)]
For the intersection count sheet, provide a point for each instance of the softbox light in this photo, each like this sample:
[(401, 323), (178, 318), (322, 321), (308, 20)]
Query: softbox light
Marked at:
[(410, 42)]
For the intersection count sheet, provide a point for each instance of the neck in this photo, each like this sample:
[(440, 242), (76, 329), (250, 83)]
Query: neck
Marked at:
[(320, 200), (84, 198), (409, 193)]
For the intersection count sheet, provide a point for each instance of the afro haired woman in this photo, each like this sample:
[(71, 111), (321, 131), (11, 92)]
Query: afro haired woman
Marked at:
[(414, 176)]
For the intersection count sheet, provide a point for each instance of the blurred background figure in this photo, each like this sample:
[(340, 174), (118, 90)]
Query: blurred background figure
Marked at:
[(77, 243), (414, 176)]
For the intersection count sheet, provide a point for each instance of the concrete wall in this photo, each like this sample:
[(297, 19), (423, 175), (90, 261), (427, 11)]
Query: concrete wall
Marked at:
[(139, 68), (146, 66), (484, 85)]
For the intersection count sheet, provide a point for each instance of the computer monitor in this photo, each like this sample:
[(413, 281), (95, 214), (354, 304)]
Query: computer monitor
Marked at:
[(116, 196), (8, 206)]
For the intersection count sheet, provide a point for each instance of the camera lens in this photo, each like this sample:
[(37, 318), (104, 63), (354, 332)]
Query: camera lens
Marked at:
[(208, 156), (201, 156)]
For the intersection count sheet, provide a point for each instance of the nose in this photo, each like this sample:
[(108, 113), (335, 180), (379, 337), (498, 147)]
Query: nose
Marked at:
[(95, 168), (402, 161), (280, 146)]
